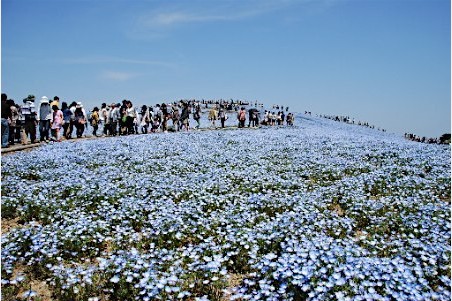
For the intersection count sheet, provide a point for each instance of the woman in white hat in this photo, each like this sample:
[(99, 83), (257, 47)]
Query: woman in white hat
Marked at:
[(80, 120)]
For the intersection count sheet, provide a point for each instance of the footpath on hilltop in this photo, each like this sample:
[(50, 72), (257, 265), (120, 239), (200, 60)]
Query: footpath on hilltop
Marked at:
[(164, 118)]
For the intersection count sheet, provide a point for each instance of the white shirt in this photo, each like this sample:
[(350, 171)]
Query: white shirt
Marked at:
[(131, 112)]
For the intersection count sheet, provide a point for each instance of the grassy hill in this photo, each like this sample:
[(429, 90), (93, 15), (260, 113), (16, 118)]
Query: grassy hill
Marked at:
[(318, 211)]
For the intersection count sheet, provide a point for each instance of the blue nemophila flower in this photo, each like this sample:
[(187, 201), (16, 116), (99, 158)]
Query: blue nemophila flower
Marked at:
[(278, 211), (115, 279), (29, 294)]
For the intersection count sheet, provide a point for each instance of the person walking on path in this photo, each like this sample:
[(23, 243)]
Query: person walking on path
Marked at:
[(145, 119), (222, 115), (55, 102), (197, 116), (72, 108), (213, 115), (67, 114), (14, 126), (108, 127), (95, 120), (44, 118), (241, 116), (165, 117), (102, 114), (29, 113), (6, 119), (80, 121), (131, 115), (114, 116), (176, 118), (185, 116), (253, 115), (57, 123)]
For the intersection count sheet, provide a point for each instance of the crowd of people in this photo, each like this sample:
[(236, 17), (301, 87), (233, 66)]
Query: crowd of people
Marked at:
[(20, 122), (55, 120), (444, 139), (349, 120)]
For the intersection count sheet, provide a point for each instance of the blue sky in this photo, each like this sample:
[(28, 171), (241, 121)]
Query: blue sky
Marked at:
[(382, 61)]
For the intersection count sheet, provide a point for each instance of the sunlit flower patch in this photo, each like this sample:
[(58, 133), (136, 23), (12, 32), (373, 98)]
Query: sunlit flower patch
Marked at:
[(319, 211)]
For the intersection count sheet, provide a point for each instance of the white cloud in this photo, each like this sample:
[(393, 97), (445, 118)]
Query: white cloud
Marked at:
[(158, 23), (173, 18), (110, 60), (118, 76), (227, 11)]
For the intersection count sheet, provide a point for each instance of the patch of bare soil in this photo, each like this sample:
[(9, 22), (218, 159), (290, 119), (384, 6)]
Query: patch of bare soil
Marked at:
[(8, 224), (41, 288), (233, 281), (360, 235), (338, 209)]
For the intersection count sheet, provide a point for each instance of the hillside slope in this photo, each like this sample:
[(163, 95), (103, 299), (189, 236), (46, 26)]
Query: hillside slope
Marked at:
[(318, 211)]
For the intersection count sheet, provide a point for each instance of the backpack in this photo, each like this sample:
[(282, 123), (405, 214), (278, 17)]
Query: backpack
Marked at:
[(28, 112), (94, 119), (79, 118), (67, 115), (196, 115), (242, 115)]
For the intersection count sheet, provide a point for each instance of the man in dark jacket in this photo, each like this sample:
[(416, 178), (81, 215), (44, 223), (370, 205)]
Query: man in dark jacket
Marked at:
[(185, 115), (6, 119), (253, 117)]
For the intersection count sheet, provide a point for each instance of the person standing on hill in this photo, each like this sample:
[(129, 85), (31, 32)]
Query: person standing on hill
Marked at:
[(279, 118), (57, 123), (102, 114), (14, 127), (131, 115), (113, 117), (241, 116), (44, 118), (272, 117), (175, 116), (213, 115), (222, 115), (289, 119), (6, 120), (185, 116), (55, 102), (197, 116), (123, 119), (165, 117), (95, 120), (253, 115), (67, 114), (72, 108), (108, 127), (145, 119), (80, 120), (250, 116)]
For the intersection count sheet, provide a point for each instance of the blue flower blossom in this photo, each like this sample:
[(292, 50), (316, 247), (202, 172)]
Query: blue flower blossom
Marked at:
[(331, 212)]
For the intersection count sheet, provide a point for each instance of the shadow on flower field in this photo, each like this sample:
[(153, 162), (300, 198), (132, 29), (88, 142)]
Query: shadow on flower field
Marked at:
[(318, 211)]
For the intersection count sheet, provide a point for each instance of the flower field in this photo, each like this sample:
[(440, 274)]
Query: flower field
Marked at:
[(318, 211)]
